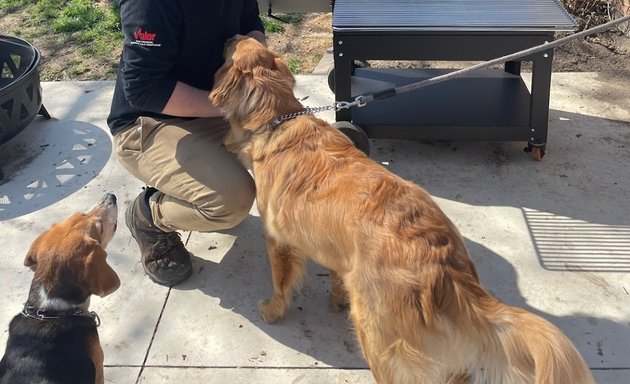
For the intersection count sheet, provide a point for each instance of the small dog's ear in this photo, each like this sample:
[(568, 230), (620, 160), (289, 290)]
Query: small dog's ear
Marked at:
[(31, 259), (99, 277), (32, 254)]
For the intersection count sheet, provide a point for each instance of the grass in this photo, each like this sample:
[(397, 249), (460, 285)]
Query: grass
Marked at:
[(86, 21), (93, 26), (277, 24), (295, 64)]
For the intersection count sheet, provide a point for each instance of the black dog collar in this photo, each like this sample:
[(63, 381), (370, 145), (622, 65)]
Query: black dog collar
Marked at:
[(49, 315)]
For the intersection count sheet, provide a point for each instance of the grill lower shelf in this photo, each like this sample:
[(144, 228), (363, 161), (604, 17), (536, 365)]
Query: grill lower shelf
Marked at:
[(485, 105)]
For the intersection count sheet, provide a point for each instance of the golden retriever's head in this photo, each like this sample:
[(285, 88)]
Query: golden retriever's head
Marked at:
[(254, 85), (71, 254)]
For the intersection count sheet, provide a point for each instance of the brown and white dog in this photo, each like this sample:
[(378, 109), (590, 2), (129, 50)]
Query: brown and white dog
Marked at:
[(418, 308), (54, 340)]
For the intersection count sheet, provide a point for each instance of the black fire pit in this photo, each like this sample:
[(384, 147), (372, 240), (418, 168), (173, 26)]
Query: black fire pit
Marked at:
[(20, 90)]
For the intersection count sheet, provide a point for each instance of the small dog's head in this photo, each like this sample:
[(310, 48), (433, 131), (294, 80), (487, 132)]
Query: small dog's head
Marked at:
[(71, 254), (254, 85)]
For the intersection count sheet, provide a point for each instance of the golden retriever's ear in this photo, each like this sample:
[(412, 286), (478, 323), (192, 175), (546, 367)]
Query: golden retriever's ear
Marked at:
[(225, 81), (99, 277)]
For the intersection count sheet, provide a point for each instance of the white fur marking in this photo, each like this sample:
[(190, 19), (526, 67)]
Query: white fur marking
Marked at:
[(57, 304)]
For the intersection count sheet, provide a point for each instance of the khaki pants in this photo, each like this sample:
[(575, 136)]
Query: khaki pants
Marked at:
[(202, 186)]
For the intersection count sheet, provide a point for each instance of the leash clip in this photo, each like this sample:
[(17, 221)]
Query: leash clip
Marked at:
[(359, 101)]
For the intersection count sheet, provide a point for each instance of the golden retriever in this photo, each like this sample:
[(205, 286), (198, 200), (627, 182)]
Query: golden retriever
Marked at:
[(417, 306)]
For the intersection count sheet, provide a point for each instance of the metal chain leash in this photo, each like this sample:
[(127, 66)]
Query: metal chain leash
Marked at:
[(306, 111)]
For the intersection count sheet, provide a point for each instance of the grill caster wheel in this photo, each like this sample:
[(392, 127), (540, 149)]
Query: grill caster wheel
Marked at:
[(356, 134), (538, 151), (331, 72), (331, 78)]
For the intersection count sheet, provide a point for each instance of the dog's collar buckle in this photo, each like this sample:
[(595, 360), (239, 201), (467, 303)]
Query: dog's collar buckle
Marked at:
[(41, 314)]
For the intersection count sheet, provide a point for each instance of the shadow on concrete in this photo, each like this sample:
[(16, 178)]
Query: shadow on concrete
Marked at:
[(563, 243), (574, 201), (243, 277), (48, 161), (603, 343)]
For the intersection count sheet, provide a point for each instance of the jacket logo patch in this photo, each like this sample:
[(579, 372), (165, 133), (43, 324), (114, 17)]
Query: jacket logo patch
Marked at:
[(145, 38)]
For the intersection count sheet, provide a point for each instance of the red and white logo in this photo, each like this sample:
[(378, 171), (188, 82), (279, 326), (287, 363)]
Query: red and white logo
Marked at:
[(145, 38)]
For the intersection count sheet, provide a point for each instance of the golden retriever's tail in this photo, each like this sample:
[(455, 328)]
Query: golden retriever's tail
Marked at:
[(535, 350)]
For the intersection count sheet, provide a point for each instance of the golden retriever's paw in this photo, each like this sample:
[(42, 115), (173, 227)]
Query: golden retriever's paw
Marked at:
[(269, 312), (338, 302)]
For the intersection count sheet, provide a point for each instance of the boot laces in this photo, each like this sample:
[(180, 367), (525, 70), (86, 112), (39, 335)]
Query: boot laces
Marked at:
[(162, 249)]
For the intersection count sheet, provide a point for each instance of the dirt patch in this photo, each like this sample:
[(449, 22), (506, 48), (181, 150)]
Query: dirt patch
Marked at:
[(604, 52), (306, 41)]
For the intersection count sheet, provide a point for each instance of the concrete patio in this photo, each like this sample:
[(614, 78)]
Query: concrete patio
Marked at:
[(551, 236)]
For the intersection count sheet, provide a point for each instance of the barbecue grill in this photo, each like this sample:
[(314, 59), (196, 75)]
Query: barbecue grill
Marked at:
[(485, 105)]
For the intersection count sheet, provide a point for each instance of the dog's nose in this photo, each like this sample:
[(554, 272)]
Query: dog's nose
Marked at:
[(109, 199)]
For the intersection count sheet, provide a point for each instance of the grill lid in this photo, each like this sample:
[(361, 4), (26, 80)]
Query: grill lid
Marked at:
[(452, 15)]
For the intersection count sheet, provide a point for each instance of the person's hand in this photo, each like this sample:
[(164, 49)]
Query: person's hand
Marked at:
[(238, 36), (260, 36)]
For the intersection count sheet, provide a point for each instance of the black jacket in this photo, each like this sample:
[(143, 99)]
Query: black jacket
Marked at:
[(168, 41)]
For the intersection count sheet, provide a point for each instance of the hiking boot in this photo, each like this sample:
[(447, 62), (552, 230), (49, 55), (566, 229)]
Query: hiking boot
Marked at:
[(164, 258)]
